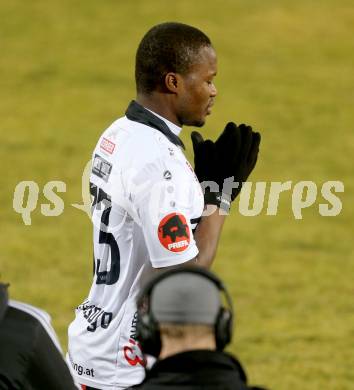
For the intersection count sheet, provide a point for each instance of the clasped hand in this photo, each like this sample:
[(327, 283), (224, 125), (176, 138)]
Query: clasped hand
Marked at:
[(232, 156)]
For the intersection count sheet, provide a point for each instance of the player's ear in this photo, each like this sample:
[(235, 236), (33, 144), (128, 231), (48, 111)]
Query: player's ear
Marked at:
[(172, 82)]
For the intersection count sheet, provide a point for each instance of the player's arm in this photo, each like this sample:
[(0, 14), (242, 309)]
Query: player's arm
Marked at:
[(167, 231), (207, 237)]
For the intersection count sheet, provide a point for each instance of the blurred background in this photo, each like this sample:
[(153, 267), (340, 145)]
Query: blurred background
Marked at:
[(286, 68)]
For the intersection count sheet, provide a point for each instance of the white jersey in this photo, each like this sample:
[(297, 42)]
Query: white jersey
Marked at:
[(146, 203)]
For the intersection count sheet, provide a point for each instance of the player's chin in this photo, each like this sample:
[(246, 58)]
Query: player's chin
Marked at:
[(195, 120), (198, 122)]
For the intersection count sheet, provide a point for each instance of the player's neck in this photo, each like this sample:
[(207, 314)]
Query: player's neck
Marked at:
[(161, 104)]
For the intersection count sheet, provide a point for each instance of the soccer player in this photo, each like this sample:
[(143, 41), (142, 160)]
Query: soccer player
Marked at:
[(147, 199)]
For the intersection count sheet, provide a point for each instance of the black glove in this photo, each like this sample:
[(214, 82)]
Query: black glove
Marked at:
[(233, 155)]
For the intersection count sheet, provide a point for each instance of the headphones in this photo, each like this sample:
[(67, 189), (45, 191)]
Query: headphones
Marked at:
[(148, 331)]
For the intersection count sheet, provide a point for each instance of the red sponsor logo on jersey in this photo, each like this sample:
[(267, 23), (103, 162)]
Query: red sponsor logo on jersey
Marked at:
[(107, 145), (174, 233), (133, 354)]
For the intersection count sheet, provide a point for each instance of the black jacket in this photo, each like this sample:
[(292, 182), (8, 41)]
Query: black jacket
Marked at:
[(29, 358), (196, 370)]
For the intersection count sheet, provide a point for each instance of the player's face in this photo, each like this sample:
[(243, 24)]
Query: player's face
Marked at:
[(198, 90)]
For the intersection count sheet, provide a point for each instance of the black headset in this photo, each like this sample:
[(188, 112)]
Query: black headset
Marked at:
[(148, 331)]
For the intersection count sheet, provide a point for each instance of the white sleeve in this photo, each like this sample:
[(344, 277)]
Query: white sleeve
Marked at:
[(164, 199)]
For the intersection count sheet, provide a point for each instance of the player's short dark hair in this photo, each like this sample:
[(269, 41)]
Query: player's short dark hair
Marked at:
[(166, 47)]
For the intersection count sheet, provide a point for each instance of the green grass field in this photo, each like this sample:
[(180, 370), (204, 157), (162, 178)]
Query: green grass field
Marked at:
[(286, 68)]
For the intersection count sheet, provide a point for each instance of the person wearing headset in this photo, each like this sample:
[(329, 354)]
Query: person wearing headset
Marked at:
[(182, 322)]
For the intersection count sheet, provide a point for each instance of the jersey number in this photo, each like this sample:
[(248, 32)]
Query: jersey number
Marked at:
[(104, 276)]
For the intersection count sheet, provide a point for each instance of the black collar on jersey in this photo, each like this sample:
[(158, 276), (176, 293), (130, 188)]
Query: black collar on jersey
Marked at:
[(136, 112)]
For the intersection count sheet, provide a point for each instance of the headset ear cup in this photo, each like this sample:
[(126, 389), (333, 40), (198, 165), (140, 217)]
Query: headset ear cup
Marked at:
[(223, 329), (148, 335)]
